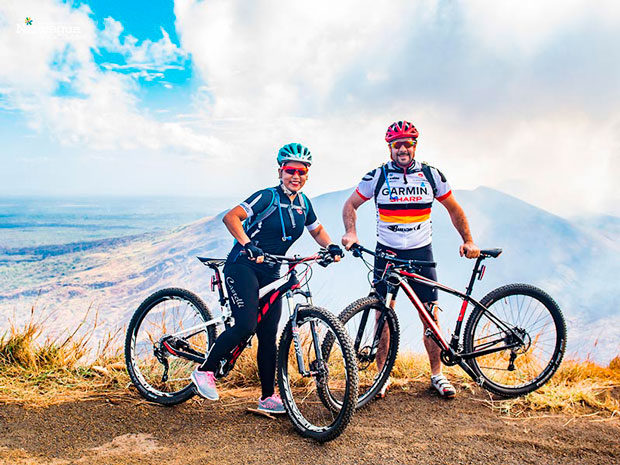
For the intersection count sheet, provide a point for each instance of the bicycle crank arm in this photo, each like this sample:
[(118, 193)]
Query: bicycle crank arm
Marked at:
[(186, 355)]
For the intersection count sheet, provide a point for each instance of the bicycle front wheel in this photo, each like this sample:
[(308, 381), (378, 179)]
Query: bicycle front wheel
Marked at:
[(304, 375), (178, 317), (375, 353), (527, 328)]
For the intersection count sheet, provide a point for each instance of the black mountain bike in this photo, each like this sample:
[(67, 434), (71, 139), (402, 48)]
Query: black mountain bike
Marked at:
[(513, 341), (173, 330)]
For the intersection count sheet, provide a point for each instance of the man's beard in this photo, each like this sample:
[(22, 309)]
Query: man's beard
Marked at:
[(406, 164)]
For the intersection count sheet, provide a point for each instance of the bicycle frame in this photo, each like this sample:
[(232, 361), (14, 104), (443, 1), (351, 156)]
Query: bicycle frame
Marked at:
[(397, 277), (453, 346), (285, 287)]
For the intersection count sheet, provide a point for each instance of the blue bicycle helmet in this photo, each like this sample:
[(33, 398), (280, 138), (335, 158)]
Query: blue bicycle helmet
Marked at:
[(294, 152)]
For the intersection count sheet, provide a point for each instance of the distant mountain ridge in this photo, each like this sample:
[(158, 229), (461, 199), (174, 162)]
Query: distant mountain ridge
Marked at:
[(576, 265)]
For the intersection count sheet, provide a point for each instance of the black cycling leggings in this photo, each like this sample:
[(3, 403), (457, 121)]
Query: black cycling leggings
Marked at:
[(243, 282)]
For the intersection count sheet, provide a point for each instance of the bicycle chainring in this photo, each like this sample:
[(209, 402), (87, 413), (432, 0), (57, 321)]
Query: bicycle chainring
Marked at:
[(448, 359)]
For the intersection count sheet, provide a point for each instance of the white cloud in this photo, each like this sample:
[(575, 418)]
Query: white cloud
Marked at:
[(513, 26), (470, 74), (495, 88), (160, 55), (103, 113), (285, 57)]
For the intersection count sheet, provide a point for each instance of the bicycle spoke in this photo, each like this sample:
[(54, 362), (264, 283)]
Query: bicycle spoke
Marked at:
[(320, 397), (304, 389), (166, 316), (531, 343)]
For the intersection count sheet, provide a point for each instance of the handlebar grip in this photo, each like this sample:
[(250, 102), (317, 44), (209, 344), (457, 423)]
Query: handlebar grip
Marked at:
[(423, 263), (267, 258), (357, 249)]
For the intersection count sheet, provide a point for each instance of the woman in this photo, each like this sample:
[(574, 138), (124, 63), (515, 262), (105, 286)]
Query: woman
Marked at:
[(274, 220)]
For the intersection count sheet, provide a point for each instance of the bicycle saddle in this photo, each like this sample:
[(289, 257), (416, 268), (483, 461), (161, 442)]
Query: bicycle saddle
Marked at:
[(491, 252), (212, 261)]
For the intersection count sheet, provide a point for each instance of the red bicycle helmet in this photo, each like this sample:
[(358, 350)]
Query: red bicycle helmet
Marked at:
[(401, 130)]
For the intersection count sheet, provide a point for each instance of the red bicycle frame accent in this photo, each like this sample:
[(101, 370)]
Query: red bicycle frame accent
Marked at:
[(419, 306)]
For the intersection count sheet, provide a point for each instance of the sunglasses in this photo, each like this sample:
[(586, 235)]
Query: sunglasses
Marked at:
[(407, 144), (292, 171)]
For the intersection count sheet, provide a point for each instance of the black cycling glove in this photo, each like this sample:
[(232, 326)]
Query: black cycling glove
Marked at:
[(335, 250), (252, 251)]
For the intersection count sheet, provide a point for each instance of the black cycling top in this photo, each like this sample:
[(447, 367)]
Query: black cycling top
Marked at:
[(268, 233)]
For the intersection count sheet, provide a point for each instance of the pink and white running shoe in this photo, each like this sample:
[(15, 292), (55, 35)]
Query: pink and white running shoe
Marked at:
[(272, 404), (205, 384)]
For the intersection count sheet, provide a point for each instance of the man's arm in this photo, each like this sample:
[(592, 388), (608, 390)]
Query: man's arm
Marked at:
[(349, 217), (459, 220)]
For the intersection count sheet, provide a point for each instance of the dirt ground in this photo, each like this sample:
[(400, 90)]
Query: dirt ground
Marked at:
[(412, 426)]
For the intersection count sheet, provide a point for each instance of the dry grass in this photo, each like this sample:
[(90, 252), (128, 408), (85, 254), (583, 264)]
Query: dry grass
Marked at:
[(40, 371), (578, 387), (36, 372)]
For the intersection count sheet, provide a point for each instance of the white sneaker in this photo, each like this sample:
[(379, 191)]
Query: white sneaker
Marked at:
[(443, 386), (205, 384)]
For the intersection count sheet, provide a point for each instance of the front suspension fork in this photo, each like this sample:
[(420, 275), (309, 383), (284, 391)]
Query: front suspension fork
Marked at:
[(293, 310)]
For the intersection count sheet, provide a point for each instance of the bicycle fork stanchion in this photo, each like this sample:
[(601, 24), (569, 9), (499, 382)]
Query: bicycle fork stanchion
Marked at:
[(317, 366), (292, 309), (378, 335), (360, 331)]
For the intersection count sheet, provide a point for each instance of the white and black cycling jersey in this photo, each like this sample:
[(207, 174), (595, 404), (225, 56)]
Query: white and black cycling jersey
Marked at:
[(403, 203)]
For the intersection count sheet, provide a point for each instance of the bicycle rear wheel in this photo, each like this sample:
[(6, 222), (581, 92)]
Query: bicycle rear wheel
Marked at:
[(158, 375), (360, 320), (301, 394), (536, 330)]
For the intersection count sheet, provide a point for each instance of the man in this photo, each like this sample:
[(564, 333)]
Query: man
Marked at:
[(404, 190)]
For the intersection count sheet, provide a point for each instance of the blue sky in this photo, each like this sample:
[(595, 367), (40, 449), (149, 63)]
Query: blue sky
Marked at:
[(194, 97)]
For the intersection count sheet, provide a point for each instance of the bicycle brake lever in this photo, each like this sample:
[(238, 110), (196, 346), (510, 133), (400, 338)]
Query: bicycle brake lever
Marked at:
[(268, 259)]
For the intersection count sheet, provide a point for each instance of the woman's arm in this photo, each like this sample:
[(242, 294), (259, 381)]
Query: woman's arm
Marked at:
[(233, 221), (320, 236)]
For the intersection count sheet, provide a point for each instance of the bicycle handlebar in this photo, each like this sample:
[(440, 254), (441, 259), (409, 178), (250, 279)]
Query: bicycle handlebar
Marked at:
[(322, 257), (358, 249)]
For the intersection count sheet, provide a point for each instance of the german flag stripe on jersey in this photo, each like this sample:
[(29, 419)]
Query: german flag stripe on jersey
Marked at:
[(404, 206), (404, 216)]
